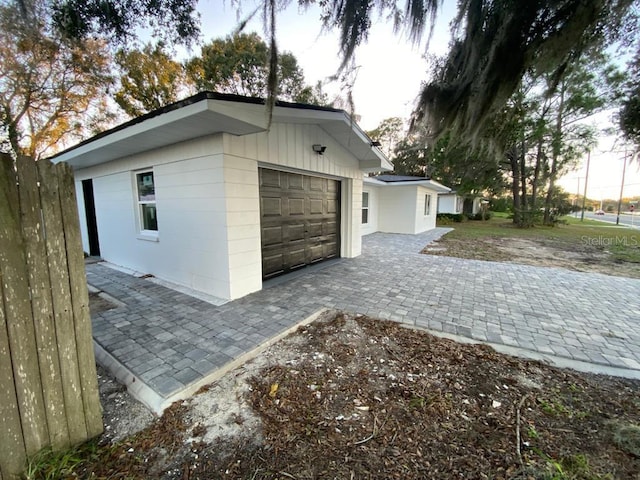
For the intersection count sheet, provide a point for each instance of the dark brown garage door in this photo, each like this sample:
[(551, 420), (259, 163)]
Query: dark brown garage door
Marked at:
[(299, 220)]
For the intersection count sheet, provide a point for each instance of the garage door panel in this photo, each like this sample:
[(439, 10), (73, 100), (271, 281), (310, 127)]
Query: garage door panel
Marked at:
[(271, 207), (295, 181), (329, 228), (316, 206), (295, 232), (330, 249), (315, 253), (270, 178), (299, 220), (314, 229), (296, 206), (271, 235), (296, 258), (273, 263), (316, 184)]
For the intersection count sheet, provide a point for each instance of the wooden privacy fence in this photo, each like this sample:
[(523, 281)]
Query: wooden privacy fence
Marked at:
[(48, 382)]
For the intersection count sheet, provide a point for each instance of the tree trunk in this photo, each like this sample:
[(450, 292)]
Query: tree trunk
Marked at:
[(536, 176), (523, 176), (552, 186), (557, 143), (515, 187)]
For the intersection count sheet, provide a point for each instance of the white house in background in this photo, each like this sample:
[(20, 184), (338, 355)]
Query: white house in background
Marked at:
[(451, 202), (206, 194), (399, 204)]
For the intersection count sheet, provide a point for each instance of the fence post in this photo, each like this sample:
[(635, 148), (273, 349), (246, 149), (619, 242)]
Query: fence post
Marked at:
[(48, 382)]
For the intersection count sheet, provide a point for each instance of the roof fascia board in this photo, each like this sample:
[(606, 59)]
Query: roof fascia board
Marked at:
[(133, 130), (438, 187)]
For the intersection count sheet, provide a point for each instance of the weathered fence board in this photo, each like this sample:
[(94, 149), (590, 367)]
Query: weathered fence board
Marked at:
[(61, 295), (11, 441), (80, 303), (42, 304), (17, 310), (48, 382)]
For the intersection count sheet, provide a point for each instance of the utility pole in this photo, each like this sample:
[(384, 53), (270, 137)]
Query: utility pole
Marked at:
[(586, 180), (624, 168), (575, 205)]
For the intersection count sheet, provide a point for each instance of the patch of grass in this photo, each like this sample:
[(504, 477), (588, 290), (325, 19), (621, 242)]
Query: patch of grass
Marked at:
[(50, 465), (573, 467), (627, 437), (620, 243)]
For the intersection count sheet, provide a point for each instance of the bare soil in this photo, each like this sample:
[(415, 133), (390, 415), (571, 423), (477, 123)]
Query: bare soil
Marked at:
[(358, 398), (543, 252)]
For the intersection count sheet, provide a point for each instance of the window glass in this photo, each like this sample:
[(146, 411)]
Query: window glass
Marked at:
[(147, 201), (427, 204), (146, 188), (365, 207)]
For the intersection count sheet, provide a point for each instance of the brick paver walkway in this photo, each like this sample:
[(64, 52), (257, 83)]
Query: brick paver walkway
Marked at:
[(169, 340)]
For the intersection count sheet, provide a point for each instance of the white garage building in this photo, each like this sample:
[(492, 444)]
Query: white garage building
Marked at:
[(204, 193)]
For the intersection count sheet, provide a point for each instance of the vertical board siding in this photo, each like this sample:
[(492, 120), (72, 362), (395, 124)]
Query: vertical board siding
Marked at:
[(48, 384)]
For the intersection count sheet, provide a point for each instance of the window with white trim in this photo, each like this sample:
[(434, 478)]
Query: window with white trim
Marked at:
[(365, 208), (146, 192), (427, 204)]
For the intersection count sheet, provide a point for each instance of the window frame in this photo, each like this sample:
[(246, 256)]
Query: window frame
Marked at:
[(144, 232), (427, 204), (365, 208)]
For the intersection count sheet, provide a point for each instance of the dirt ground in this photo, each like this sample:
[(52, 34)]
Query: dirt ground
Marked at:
[(543, 252), (357, 398)]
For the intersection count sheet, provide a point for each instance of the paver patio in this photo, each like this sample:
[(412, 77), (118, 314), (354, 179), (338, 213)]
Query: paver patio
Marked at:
[(166, 340)]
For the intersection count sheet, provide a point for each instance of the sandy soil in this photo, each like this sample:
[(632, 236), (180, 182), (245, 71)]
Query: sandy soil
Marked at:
[(538, 252), (352, 397)]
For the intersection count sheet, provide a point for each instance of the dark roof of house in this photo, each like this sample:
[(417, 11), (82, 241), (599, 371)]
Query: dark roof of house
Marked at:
[(206, 95), (400, 178)]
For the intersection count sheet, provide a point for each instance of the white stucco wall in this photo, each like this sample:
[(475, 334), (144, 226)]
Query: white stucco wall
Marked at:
[(192, 246), (397, 209), (425, 222)]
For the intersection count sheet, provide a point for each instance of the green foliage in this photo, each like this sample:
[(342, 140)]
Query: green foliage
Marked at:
[(119, 20), (466, 168), (627, 437), (353, 18), (50, 465), (501, 42), (388, 133), (500, 204), (480, 216), (239, 64), (150, 79), (446, 218), (51, 90), (630, 112)]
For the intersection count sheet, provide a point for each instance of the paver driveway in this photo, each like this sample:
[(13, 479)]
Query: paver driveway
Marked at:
[(169, 340)]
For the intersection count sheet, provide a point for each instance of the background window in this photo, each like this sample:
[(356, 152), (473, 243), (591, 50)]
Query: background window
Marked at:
[(147, 201), (427, 204), (365, 207)]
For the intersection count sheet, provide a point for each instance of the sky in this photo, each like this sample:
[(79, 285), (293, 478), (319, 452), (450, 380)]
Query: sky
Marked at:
[(389, 76)]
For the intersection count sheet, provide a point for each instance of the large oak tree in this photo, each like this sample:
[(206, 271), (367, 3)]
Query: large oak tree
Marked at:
[(52, 91)]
